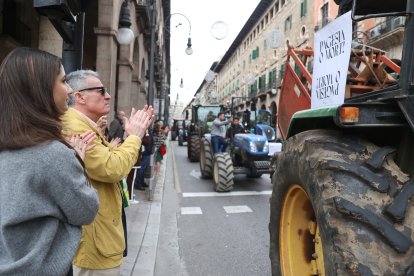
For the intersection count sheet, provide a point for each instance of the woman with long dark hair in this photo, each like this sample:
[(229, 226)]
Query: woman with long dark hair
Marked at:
[(45, 196)]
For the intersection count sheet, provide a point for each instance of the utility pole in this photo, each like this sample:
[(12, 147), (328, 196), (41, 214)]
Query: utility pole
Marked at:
[(151, 91), (152, 55)]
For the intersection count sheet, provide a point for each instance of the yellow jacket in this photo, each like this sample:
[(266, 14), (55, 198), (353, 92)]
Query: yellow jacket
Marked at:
[(102, 243)]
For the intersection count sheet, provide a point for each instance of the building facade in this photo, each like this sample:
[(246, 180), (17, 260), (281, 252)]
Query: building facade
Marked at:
[(123, 69), (253, 66)]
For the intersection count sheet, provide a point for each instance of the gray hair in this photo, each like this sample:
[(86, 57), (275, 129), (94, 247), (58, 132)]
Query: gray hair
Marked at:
[(77, 80)]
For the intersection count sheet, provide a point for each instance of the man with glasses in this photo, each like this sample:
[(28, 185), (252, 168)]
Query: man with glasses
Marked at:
[(103, 241)]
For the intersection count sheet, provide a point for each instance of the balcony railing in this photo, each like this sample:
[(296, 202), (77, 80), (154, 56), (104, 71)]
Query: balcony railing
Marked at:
[(252, 92), (385, 27)]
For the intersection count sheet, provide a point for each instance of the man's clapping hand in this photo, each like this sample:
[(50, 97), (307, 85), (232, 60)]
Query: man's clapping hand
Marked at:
[(139, 121)]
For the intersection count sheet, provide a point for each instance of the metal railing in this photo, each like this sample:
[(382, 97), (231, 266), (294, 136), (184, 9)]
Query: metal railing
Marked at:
[(385, 27)]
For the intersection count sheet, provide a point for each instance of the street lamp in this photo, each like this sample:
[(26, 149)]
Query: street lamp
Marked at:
[(125, 35), (188, 50), (181, 83)]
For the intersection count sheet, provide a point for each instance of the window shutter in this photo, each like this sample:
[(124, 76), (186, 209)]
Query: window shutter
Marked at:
[(270, 80), (303, 8)]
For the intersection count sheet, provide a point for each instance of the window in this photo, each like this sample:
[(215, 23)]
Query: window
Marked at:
[(270, 80), (303, 7), (255, 53), (288, 23), (261, 83), (325, 14), (274, 77), (282, 71)]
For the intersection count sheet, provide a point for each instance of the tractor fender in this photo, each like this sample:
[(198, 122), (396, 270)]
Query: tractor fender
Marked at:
[(207, 136)]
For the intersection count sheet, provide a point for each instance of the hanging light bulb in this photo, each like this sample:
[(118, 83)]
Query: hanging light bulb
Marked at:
[(181, 84), (189, 50)]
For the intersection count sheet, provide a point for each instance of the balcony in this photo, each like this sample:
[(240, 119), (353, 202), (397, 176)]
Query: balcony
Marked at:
[(252, 92), (387, 33)]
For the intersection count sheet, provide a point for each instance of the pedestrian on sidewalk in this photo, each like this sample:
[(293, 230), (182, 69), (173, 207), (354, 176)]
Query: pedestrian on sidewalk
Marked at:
[(147, 146), (45, 195), (103, 241), (116, 128), (159, 138)]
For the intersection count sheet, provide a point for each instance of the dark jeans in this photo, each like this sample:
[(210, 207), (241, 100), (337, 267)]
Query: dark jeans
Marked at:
[(139, 180), (219, 143)]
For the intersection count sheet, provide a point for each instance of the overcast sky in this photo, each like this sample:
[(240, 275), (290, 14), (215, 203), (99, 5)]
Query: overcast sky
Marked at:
[(206, 49)]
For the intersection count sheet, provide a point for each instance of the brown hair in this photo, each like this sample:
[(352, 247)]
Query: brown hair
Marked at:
[(28, 113)]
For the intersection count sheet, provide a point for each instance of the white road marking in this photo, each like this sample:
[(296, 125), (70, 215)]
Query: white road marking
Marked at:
[(191, 211), (176, 179), (237, 209), (196, 174), (214, 194)]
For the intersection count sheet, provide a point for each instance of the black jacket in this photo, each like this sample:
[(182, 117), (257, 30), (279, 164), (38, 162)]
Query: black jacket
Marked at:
[(233, 130)]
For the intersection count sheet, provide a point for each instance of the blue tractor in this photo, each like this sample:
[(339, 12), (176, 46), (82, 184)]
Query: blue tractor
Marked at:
[(247, 153), (258, 122)]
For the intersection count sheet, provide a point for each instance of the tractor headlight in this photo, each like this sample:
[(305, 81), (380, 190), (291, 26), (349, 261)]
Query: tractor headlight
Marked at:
[(252, 147), (266, 147)]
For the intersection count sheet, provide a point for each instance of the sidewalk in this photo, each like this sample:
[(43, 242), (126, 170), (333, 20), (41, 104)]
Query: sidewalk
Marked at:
[(143, 224)]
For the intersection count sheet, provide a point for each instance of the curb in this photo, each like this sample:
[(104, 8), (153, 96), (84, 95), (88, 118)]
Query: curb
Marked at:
[(143, 222)]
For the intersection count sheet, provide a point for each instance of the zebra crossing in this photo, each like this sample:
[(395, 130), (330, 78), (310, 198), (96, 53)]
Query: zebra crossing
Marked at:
[(227, 209)]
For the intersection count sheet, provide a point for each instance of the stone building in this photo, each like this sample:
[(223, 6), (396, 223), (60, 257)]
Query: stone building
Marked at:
[(123, 69), (253, 66)]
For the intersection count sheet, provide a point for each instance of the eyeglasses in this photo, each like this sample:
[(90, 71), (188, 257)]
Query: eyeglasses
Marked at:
[(101, 90)]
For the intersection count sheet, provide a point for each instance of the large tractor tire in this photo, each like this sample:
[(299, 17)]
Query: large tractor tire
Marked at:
[(173, 135), (223, 172), (206, 159), (340, 206), (180, 140), (193, 148)]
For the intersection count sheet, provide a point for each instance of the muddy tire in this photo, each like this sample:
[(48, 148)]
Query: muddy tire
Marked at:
[(360, 202), (193, 148), (223, 172), (206, 159), (180, 140)]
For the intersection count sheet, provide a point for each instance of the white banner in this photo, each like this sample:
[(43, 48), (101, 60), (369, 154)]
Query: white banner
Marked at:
[(332, 50)]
